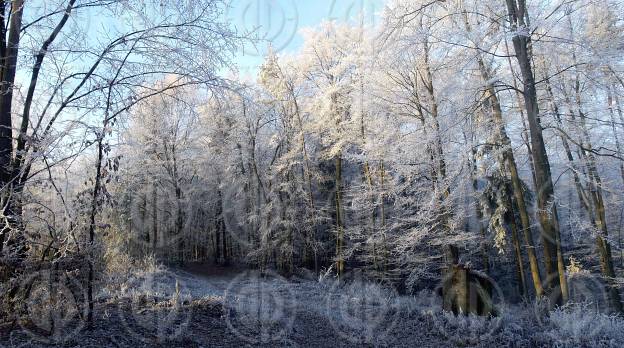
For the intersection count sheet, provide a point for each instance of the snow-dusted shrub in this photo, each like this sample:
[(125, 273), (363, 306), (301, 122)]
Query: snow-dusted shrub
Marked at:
[(463, 330), (124, 273), (574, 325), (581, 325)]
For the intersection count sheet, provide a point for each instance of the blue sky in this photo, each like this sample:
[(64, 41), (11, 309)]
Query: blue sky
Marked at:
[(280, 22)]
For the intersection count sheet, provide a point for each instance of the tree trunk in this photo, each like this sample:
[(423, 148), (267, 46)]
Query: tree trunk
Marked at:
[(94, 209), (517, 251), (382, 198), (547, 210), (580, 190), (339, 217), (465, 291), (618, 144), (603, 246), (218, 217), (517, 188), (10, 51), (478, 209), (180, 225), (154, 220)]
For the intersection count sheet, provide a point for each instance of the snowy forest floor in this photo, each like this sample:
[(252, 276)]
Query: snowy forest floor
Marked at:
[(205, 306)]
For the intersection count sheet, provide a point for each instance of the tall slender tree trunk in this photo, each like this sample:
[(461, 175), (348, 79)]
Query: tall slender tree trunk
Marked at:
[(519, 100), (516, 183), (600, 220), (155, 219), (368, 178), (144, 232), (218, 227), (485, 257), (518, 193), (436, 152), (8, 54), (580, 190), (618, 145), (547, 209), (311, 242), (339, 217), (180, 232), (382, 203), (94, 209), (522, 286)]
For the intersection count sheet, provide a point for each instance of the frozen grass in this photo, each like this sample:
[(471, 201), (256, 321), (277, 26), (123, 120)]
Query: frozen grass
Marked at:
[(581, 325), (267, 310)]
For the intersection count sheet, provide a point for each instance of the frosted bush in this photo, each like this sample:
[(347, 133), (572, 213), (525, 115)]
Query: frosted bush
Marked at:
[(581, 325), (121, 280)]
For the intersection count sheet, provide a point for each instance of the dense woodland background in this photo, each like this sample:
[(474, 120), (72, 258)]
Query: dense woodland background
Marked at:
[(473, 136)]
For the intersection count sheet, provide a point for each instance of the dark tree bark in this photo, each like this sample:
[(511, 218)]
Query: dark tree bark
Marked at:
[(10, 51), (508, 160), (155, 219), (547, 210), (465, 291)]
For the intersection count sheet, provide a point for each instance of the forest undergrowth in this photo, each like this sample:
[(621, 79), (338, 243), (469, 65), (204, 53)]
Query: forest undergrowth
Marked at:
[(150, 304)]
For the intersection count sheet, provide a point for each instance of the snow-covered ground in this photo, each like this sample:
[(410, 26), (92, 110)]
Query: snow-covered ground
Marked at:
[(191, 308)]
